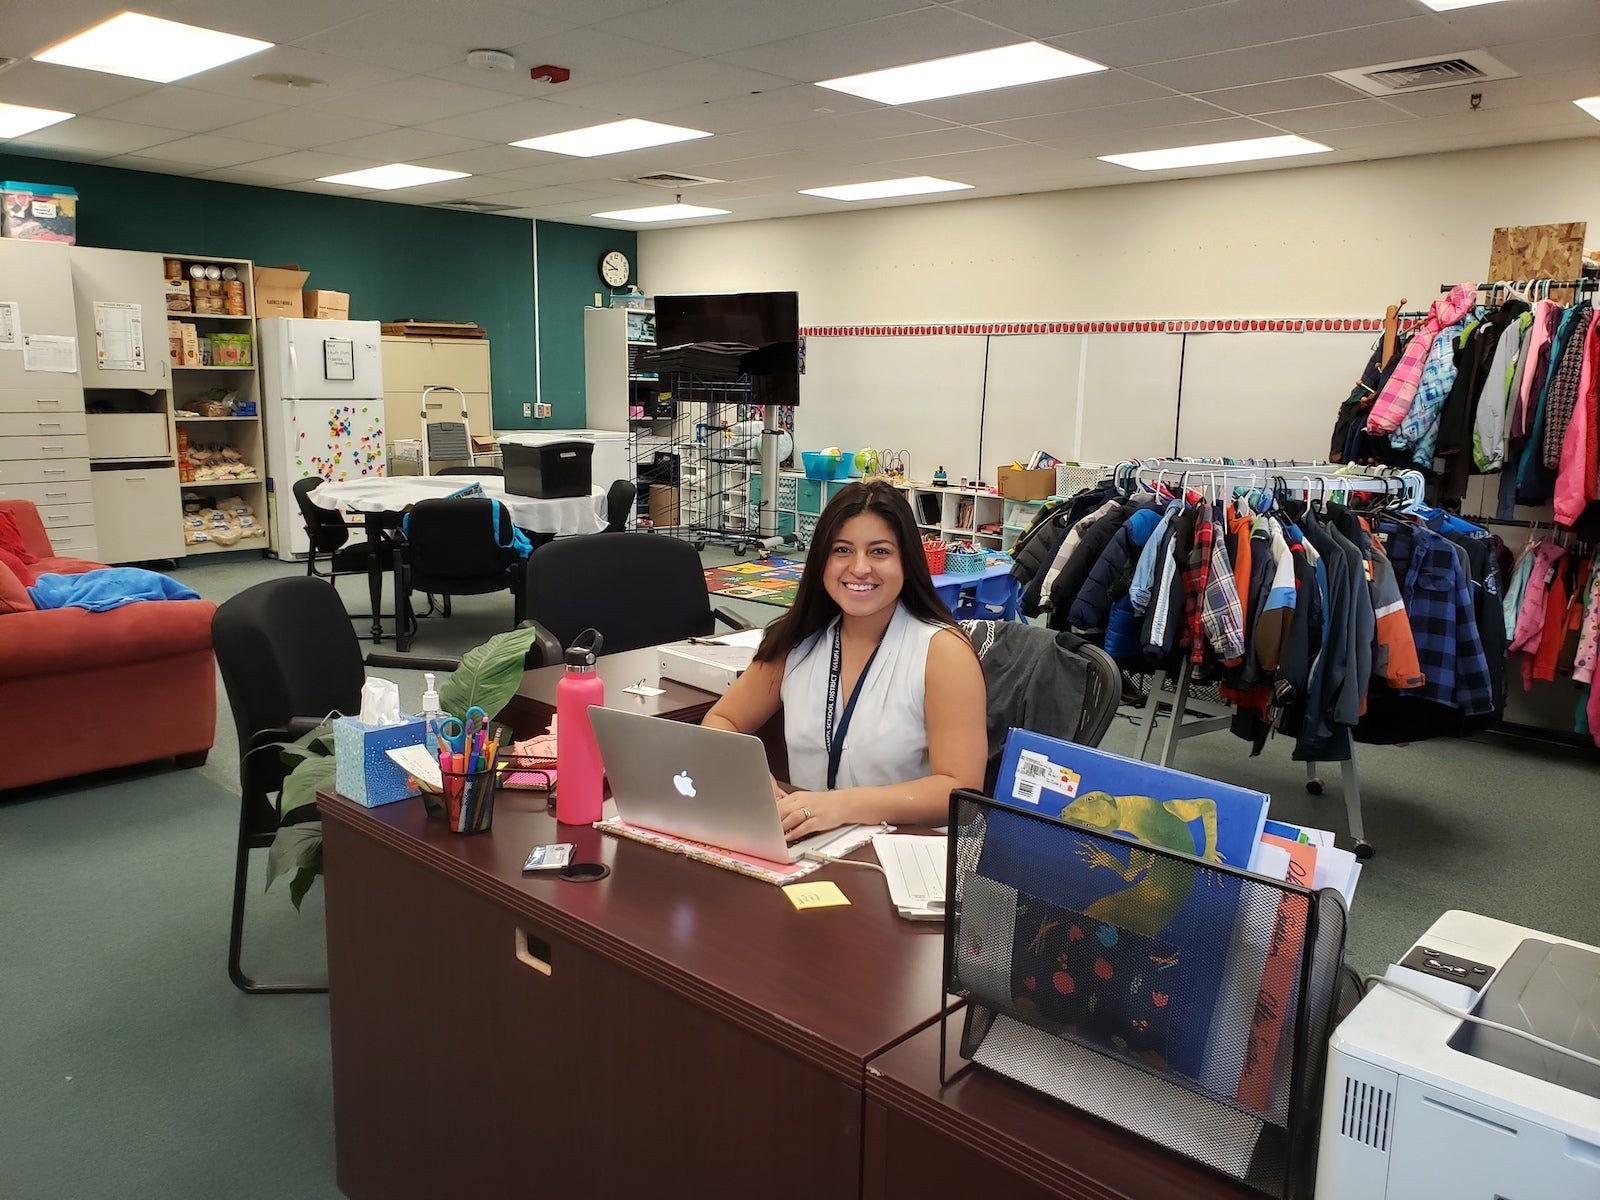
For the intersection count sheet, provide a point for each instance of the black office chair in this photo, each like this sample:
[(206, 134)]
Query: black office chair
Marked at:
[(619, 505), (470, 471), (1051, 682), (458, 546), (330, 536), (637, 589)]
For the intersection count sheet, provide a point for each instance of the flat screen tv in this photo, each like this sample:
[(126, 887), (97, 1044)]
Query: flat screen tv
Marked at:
[(768, 321)]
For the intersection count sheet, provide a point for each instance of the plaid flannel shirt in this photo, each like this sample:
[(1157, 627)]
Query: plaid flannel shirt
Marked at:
[(1392, 404), (1222, 615), (1197, 572), (1438, 599)]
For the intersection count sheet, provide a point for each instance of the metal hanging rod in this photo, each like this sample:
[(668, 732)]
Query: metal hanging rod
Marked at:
[(1327, 477), (1587, 283)]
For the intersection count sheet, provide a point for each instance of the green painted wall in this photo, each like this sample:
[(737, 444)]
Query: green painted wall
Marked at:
[(395, 260), (569, 277)]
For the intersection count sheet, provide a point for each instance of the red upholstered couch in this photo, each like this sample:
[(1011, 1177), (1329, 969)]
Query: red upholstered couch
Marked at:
[(128, 685)]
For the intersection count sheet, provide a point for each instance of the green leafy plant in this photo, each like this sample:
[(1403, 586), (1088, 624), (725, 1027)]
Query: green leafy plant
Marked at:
[(487, 677)]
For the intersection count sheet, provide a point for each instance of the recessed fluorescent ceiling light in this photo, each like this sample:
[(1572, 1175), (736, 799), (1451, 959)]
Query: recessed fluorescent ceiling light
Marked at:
[(144, 47), (961, 74), (1216, 152), (662, 212), (18, 119), (612, 138), (1590, 105), (395, 175), (1447, 5), (919, 185)]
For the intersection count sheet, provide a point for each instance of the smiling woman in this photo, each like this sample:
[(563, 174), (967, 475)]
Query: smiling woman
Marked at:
[(882, 695)]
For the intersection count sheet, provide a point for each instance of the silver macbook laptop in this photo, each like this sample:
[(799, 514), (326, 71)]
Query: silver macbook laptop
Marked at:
[(708, 785)]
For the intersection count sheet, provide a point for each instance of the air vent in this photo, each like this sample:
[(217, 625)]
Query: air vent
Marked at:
[(1388, 79), (670, 179), (1368, 1112), (477, 206)]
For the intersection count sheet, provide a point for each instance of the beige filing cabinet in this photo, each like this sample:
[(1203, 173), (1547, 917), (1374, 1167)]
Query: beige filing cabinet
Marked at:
[(44, 439), (122, 354), (412, 364)]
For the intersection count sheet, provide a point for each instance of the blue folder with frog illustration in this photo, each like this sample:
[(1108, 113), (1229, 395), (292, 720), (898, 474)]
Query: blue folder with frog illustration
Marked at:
[(1109, 937)]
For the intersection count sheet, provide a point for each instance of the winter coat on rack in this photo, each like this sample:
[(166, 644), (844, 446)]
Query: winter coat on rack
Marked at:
[(1109, 580), (1578, 477), (1457, 418), (1065, 549), (1077, 569), (1395, 400)]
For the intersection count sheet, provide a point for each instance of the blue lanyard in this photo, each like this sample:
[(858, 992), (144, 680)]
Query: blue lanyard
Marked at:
[(835, 745)]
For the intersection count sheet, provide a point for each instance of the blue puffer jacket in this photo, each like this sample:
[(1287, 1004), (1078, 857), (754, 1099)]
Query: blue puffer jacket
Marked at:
[(1109, 578)]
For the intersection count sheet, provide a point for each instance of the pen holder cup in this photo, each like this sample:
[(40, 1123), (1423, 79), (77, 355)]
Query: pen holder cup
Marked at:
[(468, 799)]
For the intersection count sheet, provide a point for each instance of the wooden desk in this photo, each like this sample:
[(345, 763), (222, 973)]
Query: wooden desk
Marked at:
[(985, 1135), (672, 1030)]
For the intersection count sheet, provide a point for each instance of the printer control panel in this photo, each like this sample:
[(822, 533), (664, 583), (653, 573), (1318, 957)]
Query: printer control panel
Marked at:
[(1448, 966)]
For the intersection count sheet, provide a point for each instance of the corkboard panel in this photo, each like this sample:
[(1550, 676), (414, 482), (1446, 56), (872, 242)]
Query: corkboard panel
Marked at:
[(1537, 252)]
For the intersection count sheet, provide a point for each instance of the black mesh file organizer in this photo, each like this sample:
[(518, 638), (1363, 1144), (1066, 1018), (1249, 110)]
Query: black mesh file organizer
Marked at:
[(1188, 1002)]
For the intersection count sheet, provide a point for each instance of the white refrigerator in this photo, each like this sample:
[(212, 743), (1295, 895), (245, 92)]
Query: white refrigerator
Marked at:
[(322, 405)]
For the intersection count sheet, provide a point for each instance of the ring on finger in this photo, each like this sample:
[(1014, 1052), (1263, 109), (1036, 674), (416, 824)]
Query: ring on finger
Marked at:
[(806, 812)]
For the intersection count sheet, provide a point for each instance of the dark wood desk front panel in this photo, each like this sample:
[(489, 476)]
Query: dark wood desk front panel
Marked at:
[(985, 1135), (694, 1028)]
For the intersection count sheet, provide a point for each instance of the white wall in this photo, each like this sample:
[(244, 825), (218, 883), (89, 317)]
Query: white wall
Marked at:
[(1341, 240)]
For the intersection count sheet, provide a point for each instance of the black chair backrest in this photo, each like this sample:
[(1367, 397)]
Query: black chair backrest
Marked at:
[(462, 537), (324, 526), (637, 589), (619, 505), (286, 649)]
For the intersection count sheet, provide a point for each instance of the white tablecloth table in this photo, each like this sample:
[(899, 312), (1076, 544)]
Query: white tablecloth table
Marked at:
[(559, 518)]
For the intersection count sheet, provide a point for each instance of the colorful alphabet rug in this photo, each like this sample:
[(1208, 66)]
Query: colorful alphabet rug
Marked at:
[(764, 580)]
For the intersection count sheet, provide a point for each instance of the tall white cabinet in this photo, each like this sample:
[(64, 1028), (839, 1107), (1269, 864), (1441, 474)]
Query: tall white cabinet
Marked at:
[(44, 437), (122, 354)]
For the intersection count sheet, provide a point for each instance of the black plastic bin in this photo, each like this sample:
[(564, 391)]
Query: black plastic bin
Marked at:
[(548, 472)]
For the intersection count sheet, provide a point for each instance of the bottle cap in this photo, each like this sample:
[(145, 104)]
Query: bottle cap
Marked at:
[(430, 697), (584, 650)]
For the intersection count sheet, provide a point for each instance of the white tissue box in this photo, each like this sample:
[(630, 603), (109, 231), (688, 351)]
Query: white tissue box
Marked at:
[(711, 664), (362, 771)]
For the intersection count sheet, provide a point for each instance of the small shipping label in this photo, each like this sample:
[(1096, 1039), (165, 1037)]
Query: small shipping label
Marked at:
[(1036, 773)]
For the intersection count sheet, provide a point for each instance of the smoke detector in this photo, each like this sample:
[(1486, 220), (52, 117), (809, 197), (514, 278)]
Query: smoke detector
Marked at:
[(490, 60)]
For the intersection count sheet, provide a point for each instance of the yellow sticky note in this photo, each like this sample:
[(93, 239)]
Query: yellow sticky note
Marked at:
[(823, 894)]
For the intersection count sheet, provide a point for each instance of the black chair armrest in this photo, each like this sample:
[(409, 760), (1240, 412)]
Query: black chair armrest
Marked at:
[(546, 650), (727, 618), (412, 662)]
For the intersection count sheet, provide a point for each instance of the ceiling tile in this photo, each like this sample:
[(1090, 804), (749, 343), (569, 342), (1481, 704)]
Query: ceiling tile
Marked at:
[(280, 21), (1199, 133), (339, 74), (1353, 114), (420, 35), (1225, 27), (512, 122), (1305, 92), (1173, 110), (303, 128), (183, 108), (157, 166), (709, 27), (548, 170), (1039, 99), (66, 89), (1045, 19), (587, 12), (97, 136), (1302, 56), (29, 28), (673, 87), (204, 150), (795, 102), (413, 101), (869, 45), (311, 164), (401, 145), (480, 161), (1561, 54), (1504, 24), (594, 56), (246, 175)]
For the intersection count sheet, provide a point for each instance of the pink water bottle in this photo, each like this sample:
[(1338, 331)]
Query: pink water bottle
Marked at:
[(579, 773)]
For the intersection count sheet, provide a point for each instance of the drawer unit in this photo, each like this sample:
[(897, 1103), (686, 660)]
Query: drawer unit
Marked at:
[(77, 541), (40, 400), (402, 412), (21, 471), (77, 491), (66, 516), (42, 424), (71, 445), (137, 514), (129, 436)]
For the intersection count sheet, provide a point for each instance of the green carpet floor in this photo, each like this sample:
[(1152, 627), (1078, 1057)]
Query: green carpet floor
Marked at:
[(130, 1069)]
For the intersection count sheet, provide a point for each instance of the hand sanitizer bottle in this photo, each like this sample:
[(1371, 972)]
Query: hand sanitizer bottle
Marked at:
[(431, 714)]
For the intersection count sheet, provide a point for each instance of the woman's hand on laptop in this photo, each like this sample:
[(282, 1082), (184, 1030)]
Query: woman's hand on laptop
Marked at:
[(805, 813)]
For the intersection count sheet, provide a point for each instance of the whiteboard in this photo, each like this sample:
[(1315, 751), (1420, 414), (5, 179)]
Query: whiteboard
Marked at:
[(1130, 396), (1266, 395), (919, 395), (1031, 401)]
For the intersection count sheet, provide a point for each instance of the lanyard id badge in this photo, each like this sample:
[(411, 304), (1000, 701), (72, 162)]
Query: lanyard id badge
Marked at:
[(834, 740)]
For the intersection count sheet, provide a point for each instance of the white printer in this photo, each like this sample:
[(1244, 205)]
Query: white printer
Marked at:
[(1420, 1104)]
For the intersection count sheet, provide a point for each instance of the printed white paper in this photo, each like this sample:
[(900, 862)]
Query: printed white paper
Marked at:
[(118, 336), (10, 325), (47, 352)]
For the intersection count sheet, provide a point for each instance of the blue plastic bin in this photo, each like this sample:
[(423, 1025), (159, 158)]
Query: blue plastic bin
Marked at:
[(825, 466)]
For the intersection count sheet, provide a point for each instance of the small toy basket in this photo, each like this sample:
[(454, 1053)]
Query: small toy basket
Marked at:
[(935, 552), (964, 562)]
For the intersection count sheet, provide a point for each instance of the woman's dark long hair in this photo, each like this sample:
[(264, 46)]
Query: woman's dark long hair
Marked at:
[(813, 608)]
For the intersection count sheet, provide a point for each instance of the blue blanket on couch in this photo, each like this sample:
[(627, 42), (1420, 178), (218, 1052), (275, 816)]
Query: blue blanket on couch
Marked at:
[(110, 587)]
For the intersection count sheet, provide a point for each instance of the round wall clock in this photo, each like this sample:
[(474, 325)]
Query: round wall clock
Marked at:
[(614, 268)]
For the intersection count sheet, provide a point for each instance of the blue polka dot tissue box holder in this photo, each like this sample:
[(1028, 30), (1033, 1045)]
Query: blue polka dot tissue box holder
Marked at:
[(362, 771)]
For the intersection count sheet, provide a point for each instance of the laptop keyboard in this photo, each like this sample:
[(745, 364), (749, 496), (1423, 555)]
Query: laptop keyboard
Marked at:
[(920, 861)]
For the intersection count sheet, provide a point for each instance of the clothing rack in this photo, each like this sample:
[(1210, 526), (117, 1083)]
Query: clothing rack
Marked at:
[(1305, 482), (1587, 283)]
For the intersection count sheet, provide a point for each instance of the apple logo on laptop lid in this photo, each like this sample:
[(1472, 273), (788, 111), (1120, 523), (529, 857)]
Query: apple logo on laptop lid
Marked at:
[(684, 784)]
